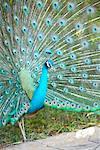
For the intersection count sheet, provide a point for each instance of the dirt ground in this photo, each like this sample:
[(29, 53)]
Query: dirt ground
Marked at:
[(86, 139)]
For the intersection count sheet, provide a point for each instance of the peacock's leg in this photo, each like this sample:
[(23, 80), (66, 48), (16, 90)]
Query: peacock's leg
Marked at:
[(22, 128)]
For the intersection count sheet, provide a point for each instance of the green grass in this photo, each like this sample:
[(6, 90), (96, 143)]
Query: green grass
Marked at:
[(47, 122)]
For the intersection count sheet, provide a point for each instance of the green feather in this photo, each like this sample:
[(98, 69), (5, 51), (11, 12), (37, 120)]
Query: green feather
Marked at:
[(26, 82)]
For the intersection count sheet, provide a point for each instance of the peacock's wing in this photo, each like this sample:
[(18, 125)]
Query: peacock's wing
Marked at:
[(74, 84)]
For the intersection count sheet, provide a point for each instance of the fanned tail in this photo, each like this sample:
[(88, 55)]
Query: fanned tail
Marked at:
[(70, 32)]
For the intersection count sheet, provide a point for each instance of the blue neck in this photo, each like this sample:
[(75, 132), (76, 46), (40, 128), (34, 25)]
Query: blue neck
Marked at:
[(44, 78), (39, 95)]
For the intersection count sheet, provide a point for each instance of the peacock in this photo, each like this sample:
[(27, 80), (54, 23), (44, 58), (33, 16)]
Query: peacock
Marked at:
[(49, 57)]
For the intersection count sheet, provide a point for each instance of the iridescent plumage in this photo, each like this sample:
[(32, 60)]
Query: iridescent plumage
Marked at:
[(32, 32)]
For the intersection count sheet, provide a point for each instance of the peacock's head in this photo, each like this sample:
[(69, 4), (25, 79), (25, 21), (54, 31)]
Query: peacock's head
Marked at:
[(49, 63)]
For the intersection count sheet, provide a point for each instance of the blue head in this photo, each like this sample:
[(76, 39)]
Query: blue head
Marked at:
[(49, 64)]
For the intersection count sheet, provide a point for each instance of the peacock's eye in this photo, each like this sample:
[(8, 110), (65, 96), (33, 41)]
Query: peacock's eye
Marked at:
[(70, 6)]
